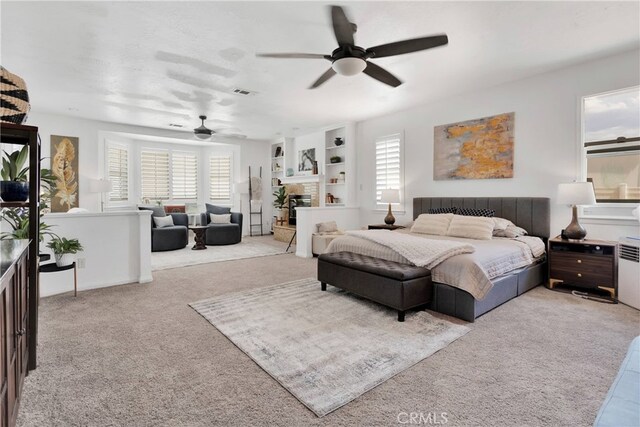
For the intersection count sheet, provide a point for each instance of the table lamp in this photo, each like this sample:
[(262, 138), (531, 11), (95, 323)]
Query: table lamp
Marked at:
[(576, 193), (390, 196), (100, 186)]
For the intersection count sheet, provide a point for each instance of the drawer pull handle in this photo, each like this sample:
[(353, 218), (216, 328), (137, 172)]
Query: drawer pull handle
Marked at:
[(579, 274), (579, 261)]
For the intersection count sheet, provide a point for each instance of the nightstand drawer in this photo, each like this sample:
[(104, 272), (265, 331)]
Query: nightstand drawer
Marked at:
[(582, 269)]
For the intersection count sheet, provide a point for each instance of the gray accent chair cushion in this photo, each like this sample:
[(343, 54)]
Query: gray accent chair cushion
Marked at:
[(621, 407), (168, 238), (221, 234)]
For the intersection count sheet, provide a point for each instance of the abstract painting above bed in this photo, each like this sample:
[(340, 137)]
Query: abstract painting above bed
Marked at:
[(474, 149)]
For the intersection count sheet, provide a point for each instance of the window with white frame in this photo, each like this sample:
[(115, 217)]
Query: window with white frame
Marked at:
[(184, 176), (220, 177), (154, 174), (389, 165), (118, 172), (611, 142)]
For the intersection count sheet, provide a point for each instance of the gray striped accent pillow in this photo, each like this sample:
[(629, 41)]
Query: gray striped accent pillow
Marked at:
[(471, 227)]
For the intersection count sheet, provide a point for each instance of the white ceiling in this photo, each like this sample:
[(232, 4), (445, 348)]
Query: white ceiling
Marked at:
[(155, 63)]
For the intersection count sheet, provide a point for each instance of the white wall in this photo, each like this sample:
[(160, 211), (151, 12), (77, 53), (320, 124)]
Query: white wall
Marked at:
[(547, 139), (252, 152)]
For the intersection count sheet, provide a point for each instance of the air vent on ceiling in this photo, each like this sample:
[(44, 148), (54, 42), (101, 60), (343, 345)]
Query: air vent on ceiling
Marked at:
[(175, 125), (242, 92)]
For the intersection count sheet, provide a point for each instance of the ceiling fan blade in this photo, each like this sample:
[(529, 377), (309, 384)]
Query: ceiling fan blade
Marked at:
[(294, 55), (323, 78), (408, 46), (381, 74), (342, 28)]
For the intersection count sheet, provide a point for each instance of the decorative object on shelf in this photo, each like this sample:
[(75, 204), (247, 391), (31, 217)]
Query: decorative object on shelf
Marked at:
[(289, 171), (314, 169), (14, 186), (575, 193), (64, 166), (329, 198), (474, 149), (341, 177), (338, 141), (202, 132), (278, 152), (277, 168), (306, 159), (335, 159), (64, 249), (390, 196), (15, 98), (101, 186)]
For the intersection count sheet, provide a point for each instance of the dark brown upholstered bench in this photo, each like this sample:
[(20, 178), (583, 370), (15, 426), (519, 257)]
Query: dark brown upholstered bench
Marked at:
[(399, 286)]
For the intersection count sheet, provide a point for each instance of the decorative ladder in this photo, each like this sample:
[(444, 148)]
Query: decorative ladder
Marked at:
[(251, 211)]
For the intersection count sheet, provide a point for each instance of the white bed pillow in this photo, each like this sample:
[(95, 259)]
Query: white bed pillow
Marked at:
[(471, 227), (512, 231), (436, 224), (163, 221), (500, 224), (220, 218)]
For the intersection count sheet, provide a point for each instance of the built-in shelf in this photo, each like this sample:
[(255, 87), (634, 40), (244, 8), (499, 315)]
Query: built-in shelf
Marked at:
[(280, 171), (277, 158), (335, 148), (335, 164), (334, 204), (296, 179), (334, 183)]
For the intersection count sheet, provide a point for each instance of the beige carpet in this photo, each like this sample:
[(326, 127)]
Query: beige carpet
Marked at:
[(250, 247), (138, 355), (326, 348)]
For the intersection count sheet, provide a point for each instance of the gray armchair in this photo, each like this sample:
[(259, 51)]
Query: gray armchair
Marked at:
[(168, 238), (221, 234)]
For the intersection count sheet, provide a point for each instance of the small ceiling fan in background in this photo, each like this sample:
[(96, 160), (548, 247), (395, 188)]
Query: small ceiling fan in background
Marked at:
[(204, 133), (349, 59)]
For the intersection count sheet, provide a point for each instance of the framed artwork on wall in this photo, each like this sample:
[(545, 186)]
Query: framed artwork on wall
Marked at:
[(474, 149), (306, 158), (64, 166)]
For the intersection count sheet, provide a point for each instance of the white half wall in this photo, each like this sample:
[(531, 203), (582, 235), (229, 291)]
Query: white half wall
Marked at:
[(117, 250), (547, 139), (307, 218)]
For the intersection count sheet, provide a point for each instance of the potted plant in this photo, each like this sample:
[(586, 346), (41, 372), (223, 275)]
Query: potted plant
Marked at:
[(336, 159), (64, 249), (14, 186), (280, 200)]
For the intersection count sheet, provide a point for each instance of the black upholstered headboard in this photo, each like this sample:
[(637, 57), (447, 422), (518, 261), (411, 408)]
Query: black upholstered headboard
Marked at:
[(530, 213)]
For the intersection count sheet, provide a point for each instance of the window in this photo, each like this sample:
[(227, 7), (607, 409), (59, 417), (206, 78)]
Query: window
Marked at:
[(154, 174), (118, 172), (220, 178), (184, 176), (388, 165), (611, 135)]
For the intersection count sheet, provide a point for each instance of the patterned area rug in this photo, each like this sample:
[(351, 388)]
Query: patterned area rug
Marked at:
[(248, 248), (326, 348)]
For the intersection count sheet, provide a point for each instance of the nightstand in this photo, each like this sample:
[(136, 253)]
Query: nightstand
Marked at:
[(385, 227), (588, 264)]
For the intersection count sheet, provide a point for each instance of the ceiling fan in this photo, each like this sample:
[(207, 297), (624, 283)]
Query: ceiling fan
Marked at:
[(203, 132), (349, 59)]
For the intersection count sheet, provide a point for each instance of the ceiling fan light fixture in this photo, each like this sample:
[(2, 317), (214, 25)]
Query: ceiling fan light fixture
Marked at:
[(349, 66), (202, 132)]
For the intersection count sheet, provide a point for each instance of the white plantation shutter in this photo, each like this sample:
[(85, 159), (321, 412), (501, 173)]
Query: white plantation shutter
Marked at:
[(154, 167), (388, 164), (220, 177), (118, 172), (184, 176)]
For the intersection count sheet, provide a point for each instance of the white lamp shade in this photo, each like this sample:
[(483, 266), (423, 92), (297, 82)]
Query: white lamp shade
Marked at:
[(576, 193), (241, 187), (349, 66), (99, 186), (390, 196)]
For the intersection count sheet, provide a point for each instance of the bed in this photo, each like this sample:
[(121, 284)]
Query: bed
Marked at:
[(471, 298)]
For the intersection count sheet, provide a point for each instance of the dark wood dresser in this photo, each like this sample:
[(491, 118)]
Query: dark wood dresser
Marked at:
[(587, 264), (14, 266)]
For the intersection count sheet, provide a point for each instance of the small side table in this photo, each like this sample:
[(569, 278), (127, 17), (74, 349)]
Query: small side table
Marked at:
[(385, 227), (199, 232), (52, 267)]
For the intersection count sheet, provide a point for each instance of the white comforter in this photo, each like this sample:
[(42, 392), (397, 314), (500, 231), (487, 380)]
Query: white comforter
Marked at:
[(471, 272)]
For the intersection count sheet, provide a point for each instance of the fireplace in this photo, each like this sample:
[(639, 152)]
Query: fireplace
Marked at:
[(296, 201)]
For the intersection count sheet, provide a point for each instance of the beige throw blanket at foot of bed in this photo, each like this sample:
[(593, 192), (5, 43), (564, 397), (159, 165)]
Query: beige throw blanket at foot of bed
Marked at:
[(421, 252)]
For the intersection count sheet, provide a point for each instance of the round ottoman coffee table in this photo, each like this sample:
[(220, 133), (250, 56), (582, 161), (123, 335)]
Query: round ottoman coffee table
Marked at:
[(199, 231)]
